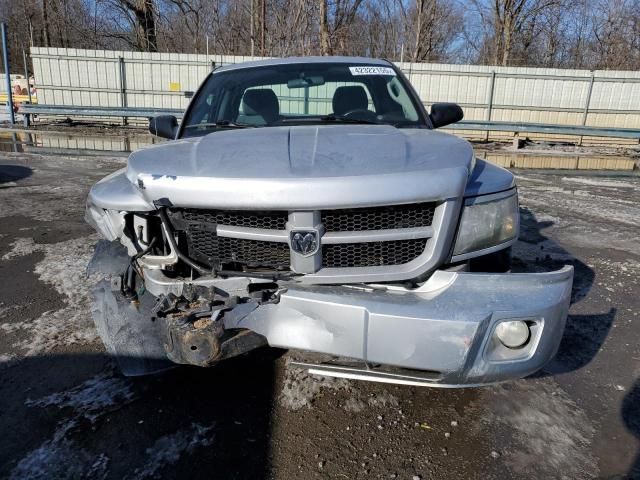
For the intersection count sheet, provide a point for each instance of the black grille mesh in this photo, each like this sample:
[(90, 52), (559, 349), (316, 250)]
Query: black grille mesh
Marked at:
[(379, 218), (371, 254), (274, 220), (252, 253), (198, 227)]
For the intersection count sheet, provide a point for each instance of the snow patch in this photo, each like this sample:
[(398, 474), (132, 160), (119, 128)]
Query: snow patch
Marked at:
[(300, 388), (548, 218), (167, 450), (600, 183), (6, 357), (552, 434), (20, 247), (383, 400), (91, 398), (573, 204), (354, 405), (64, 267), (60, 458)]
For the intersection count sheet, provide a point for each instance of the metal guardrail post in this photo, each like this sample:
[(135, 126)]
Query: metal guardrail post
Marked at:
[(123, 86), (5, 57), (587, 103), (588, 100), (492, 84), (26, 74)]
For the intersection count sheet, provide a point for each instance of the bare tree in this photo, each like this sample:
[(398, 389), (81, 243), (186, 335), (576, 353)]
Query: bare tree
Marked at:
[(517, 17), (45, 24), (551, 33), (325, 45), (437, 24), (134, 21)]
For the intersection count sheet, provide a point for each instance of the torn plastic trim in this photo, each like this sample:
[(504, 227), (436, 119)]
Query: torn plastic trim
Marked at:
[(108, 223)]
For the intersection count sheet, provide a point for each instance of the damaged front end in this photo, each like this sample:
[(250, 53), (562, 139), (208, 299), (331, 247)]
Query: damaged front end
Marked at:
[(149, 333), (366, 286), (164, 303)]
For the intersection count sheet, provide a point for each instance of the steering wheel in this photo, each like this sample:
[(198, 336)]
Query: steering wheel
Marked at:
[(361, 113)]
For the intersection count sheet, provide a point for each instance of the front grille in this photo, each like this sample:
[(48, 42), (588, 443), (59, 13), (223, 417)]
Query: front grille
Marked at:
[(372, 254), (196, 229), (379, 218), (268, 220), (218, 251)]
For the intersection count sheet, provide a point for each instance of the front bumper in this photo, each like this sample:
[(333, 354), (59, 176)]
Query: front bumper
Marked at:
[(445, 327), (443, 331)]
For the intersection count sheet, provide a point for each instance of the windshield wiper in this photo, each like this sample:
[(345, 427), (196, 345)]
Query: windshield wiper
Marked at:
[(341, 119), (221, 124), (329, 119)]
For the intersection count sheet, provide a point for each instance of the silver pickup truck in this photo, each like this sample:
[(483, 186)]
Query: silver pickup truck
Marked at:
[(310, 204)]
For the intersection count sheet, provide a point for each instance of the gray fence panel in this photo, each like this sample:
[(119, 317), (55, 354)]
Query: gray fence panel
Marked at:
[(77, 77)]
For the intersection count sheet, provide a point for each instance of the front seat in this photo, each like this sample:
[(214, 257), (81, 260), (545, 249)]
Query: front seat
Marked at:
[(346, 99), (261, 103)]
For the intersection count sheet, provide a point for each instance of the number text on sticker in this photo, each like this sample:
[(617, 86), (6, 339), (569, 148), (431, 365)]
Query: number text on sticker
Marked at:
[(365, 70)]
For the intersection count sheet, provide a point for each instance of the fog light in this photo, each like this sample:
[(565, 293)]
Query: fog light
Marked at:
[(513, 334)]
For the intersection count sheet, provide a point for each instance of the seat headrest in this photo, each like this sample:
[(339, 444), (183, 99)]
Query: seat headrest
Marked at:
[(261, 102), (350, 98)]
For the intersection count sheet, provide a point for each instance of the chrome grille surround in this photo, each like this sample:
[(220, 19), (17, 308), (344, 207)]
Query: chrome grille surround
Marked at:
[(353, 256)]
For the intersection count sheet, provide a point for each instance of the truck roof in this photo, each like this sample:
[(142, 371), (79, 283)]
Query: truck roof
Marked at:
[(294, 60)]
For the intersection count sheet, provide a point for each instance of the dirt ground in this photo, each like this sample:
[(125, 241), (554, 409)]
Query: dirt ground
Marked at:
[(66, 413)]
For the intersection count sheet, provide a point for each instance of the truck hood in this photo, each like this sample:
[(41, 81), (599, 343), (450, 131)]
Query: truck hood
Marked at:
[(304, 167)]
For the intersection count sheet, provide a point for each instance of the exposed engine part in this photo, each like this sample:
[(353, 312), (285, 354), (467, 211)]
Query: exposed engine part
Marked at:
[(141, 330), (201, 269), (128, 278), (194, 323)]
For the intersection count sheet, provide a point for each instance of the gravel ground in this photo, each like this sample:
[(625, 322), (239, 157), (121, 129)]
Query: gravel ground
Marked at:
[(65, 412)]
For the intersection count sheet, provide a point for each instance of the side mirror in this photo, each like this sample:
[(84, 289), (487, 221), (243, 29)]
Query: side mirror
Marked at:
[(165, 126), (445, 114)]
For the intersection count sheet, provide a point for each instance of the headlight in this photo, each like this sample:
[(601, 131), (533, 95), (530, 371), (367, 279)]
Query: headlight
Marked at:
[(485, 224)]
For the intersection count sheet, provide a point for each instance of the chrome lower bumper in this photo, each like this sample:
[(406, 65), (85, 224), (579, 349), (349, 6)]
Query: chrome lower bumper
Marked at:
[(445, 327)]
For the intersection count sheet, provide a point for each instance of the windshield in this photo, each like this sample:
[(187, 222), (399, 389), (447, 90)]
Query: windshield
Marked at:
[(302, 94)]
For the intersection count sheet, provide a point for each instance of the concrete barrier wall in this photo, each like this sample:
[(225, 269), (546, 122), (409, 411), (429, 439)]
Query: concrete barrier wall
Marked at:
[(135, 79)]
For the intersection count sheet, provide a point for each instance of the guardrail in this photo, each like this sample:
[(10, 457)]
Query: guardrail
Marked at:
[(518, 127), (29, 110), (123, 112)]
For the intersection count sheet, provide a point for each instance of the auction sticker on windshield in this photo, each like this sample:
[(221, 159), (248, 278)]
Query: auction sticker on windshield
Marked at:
[(365, 70)]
